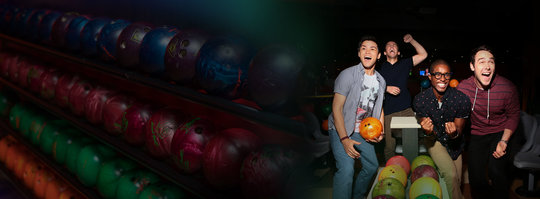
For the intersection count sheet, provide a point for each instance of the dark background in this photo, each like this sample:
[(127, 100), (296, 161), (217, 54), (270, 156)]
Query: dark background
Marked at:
[(328, 30)]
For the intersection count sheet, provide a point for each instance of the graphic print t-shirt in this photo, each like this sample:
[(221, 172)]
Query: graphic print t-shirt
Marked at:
[(368, 96)]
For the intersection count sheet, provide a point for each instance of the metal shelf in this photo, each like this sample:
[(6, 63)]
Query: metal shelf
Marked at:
[(195, 184)]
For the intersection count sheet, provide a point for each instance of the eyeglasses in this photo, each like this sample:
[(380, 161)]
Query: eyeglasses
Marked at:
[(439, 75)]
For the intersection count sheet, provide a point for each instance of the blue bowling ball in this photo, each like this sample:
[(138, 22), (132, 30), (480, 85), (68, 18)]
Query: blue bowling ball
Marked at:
[(32, 26), (20, 20), (74, 30), (273, 75), (106, 42), (222, 66), (46, 26), (425, 83), (90, 34), (154, 47)]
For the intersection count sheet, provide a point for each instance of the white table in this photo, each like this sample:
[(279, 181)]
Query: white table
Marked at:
[(409, 136)]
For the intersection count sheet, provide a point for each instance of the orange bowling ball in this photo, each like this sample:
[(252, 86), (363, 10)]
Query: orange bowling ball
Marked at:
[(370, 128), (453, 83), (325, 125)]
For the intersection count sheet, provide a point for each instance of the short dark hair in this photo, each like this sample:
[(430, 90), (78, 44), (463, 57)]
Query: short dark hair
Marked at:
[(367, 38), (481, 48), (438, 62)]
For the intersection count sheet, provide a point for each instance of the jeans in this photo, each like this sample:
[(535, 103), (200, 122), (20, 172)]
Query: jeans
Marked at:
[(343, 178)]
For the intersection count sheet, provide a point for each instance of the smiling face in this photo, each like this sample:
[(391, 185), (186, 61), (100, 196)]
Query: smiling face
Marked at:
[(391, 49), (483, 67), (439, 85), (368, 54)]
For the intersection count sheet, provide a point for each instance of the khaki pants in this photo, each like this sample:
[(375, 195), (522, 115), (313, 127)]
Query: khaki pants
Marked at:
[(449, 169), (390, 141)]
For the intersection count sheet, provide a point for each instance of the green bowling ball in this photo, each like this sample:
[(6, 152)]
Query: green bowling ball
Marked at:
[(61, 144), (26, 119), (326, 109), (134, 182), (110, 174), (73, 152), (39, 123), (162, 191), (15, 115), (50, 132), (89, 162)]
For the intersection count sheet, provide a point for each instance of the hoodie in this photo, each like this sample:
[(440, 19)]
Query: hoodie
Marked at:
[(494, 109)]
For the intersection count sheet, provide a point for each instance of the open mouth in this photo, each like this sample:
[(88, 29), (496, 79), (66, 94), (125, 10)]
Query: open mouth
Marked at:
[(367, 58), (486, 74)]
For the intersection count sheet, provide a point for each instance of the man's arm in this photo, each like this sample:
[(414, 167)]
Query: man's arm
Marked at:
[(421, 53), (454, 129), (339, 123)]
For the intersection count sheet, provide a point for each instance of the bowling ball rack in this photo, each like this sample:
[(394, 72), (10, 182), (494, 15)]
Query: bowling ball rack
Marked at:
[(56, 168)]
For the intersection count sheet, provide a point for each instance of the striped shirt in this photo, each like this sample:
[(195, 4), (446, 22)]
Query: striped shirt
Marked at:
[(495, 109)]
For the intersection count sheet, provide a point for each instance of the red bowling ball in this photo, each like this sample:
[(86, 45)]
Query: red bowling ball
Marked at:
[(77, 96), (24, 69), (113, 111), (34, 75), (48, 80), (223, 156), (63, 85), (134, 122), (129, 42), (182, 54), (95, 101), (160, 131), (188, 144)]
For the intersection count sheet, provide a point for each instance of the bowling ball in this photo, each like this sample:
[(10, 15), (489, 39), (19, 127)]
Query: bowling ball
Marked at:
[(7, 100), (424, 171), (223, 156), (426, 196), (20, 20), (110, 174), (74, 30), (154, 47), (53, 129), (265, 173), (182, 54), (106, 43), (42, 178), (129, 42), (273, 75), (30, 169), (389, 187), (425, 83), (70, 193), (5, 18), (5, 58), (63, 86), (60, 27), (370, 128), (77, 96), (49, 79), (95, 101), (160, 130), (61, 144), (34, 75), (90, 34), (89, 162), (222, 66), (55, 188), (422, 160), (326, 109), (401, 161), (39, 122), (15, 114), (423, 186), (26, 120), (6, 142), (134, 120), (73, 151), (454, 83), (46, 26), (162, 191), (188, 143), (394, 171), (133, 183), (325, 125), (32, 26), (113, 111), (24, 69)]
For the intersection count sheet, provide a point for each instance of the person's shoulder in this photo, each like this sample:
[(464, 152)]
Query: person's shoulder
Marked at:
[(458, 93), (422, 95), (466, 84)]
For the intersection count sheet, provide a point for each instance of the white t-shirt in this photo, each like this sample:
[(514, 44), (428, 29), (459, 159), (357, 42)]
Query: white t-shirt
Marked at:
[(368, 96)]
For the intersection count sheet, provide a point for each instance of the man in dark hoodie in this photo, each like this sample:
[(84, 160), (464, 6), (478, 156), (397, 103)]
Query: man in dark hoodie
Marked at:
[(494, 117)]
